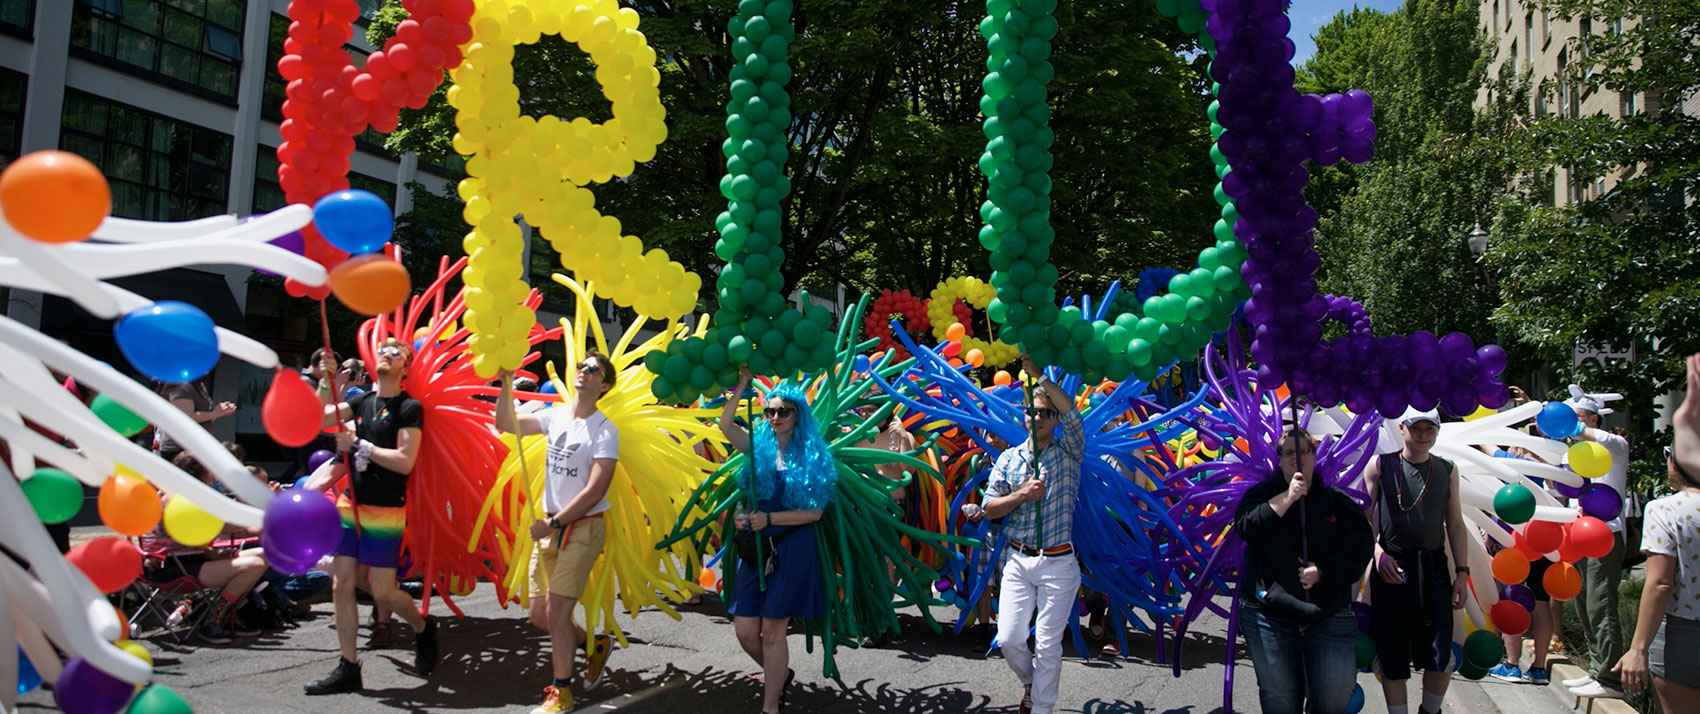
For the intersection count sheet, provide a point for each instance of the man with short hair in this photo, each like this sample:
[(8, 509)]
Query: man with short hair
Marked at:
[(1596, 605), (1033, 487), (388, 431), (1415, 513), (584, 447)]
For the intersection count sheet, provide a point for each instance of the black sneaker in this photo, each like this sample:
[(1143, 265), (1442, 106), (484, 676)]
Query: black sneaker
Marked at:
[(212, 632), (345, 678), (239, 628), (425, 649)]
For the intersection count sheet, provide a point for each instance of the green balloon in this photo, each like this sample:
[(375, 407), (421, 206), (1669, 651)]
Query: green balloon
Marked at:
[(116, 416), (677, 369), (1197, 309), (663, 388), (1173, 308), (1366, 650), (55, 495), (702, 377), (1216, 156), (1138, 352), (807, 334), (1147, 328), (159, 699), (998, 311), (1117, 337), (739, 349), (1080, 333), (1514, 504), (1095, 354), (1483, 649)]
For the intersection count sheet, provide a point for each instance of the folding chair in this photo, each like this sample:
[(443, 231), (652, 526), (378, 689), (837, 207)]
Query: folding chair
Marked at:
[(156, 601)]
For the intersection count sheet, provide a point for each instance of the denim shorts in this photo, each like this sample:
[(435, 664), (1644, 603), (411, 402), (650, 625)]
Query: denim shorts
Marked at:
[(1675, 652)]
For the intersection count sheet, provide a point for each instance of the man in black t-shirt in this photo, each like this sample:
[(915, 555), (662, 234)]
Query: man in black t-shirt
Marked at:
[(384, 445)]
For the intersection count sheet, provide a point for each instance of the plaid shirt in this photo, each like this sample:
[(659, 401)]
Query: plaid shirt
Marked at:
[(1059, 466)]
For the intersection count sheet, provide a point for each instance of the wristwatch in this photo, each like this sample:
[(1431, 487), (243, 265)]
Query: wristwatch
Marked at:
[(552, 523), (1461, 571)]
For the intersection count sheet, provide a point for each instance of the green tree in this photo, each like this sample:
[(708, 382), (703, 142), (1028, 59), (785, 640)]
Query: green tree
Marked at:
[(887, 130)]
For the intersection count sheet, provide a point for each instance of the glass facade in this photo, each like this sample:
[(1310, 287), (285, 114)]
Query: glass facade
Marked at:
[(159, 169), (17, 16), (11, 115), (192, 44)]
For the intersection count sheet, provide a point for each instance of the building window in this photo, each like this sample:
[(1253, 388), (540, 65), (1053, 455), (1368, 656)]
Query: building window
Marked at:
[(1578, 188), (1540, 97), (268, 195), (1494, 19), (193, 44), (1628, 104), (1516, 66), (11, 115), (272, 93), (383, 189), (159, 169), (17, 17), (1529, 35), (1546, 26)]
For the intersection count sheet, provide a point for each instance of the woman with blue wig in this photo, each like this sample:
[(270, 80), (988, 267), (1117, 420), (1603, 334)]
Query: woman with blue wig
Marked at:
[(792, 478)]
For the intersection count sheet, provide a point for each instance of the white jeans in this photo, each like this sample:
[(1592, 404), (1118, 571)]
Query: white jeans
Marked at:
[(1052, 583)]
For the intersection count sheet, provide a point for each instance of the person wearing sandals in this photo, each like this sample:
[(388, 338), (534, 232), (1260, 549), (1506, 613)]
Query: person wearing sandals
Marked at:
[(793, 481), (584, 447)]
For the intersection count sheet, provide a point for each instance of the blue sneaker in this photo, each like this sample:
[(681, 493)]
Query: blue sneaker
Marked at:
[(1538, 676), (1507, 672)]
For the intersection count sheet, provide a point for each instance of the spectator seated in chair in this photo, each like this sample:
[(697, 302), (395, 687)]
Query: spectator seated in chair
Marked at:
[(235, 570)]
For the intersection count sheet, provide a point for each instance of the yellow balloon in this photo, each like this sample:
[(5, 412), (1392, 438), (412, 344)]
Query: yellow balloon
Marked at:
[(186, 523), (1481, 412), (1589, 459), (136, 650)]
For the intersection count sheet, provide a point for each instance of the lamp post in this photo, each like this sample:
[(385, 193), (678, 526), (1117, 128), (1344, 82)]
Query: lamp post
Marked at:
[(1478, 240)]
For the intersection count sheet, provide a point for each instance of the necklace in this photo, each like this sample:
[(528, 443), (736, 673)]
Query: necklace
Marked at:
[(1399, 489)]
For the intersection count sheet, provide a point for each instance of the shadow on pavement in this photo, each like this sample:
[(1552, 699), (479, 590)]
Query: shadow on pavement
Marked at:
[(472, 650), (711, 691)]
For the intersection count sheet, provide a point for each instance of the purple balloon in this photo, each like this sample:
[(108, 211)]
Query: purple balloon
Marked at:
[(83, 689), (1491, 360), (1361, 612), (1600, 501), (291, 241), (1520, 594), (1564, 489), (300, 527), (1355, 106), (318, 459)]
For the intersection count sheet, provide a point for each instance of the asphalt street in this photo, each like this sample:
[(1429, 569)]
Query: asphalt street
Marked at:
[(493, 661)]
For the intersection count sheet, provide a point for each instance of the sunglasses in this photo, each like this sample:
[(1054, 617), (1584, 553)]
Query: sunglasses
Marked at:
[(590, 367), (779, 412), (391, 351), (1043, 413)]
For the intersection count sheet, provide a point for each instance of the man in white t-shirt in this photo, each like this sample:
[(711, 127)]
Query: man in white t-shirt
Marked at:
[(583, 446), (1596, 606)]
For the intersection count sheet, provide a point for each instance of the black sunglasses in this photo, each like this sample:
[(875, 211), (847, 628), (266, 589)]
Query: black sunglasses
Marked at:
[(590, 366), (779, 412), (1043, 413)]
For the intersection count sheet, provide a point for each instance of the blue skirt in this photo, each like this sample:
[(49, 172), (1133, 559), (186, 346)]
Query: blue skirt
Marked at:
[(794, 588)]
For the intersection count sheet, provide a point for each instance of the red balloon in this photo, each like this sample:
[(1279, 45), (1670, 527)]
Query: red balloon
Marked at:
[(292, 412), (109, 563), (1567, 551), (1591, 536), (1544, 536), (1510, 617)]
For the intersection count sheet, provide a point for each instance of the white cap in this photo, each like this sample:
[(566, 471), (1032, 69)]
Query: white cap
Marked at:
[(1412, 416), (1590, 402)]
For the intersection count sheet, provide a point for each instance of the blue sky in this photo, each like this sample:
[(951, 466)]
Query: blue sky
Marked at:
[(1308, 15)]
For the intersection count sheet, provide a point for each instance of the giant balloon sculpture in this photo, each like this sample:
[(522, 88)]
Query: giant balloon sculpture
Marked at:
[(58, 238)]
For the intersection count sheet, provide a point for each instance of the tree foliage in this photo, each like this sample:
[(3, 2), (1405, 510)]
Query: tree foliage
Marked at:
[(887, 131)]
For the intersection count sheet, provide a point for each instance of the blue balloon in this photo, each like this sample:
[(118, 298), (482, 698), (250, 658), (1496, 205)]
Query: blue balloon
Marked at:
[(301, 482), (1558, 421), (28, 678), (547, 388), (861, 363), (169, 341), (356, 221), (351, 393), (1357, 703)]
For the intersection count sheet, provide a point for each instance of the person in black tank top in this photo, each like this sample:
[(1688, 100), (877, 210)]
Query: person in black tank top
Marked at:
[(1415, 513)]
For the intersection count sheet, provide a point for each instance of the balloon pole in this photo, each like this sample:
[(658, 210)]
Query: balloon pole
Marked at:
[(1033, 461), (336, 406), (750, 489), (1304, 522)]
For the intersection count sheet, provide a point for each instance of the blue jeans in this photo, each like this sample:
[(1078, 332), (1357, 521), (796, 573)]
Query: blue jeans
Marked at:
[(1318, 663)]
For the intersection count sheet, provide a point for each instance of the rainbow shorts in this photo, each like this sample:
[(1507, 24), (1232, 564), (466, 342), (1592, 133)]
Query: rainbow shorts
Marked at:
[(377, 541)]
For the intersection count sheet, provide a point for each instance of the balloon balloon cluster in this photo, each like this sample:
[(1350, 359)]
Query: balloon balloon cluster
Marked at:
[(539, 168), (755, 325), (329, 100), (1152, 282), (895, 304), (1269, 130), (950, 304)]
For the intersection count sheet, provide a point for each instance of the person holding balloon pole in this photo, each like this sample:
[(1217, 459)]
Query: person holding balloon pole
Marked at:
[(1306, 546), (1596, 607), (1033, 487), (383, 448), (583, 449), (1416, 513), (792, 476)]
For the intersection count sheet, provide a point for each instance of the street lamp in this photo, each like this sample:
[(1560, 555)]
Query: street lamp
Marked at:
[(1478, 240)]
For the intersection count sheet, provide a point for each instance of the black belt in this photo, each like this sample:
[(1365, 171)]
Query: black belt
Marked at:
[(1052, 552)]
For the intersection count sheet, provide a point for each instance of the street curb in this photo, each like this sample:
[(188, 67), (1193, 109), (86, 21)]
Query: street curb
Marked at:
[(1561, 669)]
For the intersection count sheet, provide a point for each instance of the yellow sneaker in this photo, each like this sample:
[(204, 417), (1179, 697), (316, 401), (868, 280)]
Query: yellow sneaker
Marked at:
[(595, 664), (555, 701)]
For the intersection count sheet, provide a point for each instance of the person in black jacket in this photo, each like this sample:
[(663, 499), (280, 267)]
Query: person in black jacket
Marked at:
[(1306, 545)]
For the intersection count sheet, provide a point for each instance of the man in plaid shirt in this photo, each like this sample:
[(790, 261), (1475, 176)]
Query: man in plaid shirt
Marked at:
[(1035, 497)]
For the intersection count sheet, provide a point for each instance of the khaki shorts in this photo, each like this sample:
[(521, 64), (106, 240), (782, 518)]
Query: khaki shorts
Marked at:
[(564, 571)]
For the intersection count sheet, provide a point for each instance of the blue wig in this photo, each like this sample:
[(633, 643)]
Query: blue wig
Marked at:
[(811, 472)]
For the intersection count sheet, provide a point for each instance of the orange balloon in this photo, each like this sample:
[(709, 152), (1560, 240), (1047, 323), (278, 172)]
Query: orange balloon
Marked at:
[(291, 411), (109, 563), (706, 578), (1562, 581), (371, 284), (955, 331), (976, 357), (123, 624), (1510, 567), (54, 196), (1002, 378), (129, 505)]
